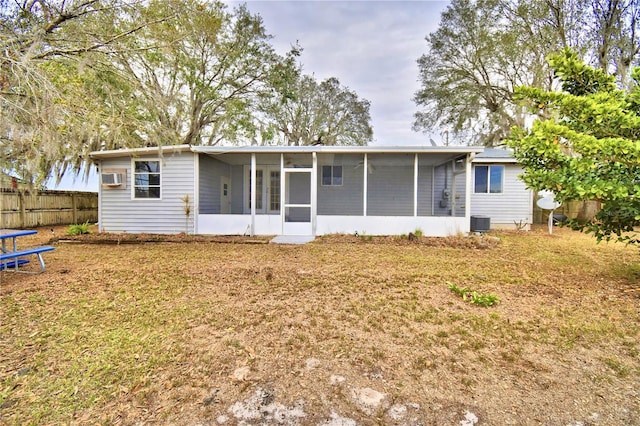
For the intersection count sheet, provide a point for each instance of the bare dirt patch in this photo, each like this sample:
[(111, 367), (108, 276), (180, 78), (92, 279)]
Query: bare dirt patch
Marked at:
[(342, 331)]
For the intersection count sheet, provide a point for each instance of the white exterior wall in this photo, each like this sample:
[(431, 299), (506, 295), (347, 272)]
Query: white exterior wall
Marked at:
[(363, 225), (392, 225), (513, 205), (239, 224), (119, 212)]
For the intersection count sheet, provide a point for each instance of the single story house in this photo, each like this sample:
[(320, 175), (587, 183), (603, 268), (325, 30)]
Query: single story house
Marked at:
[(310, 190)]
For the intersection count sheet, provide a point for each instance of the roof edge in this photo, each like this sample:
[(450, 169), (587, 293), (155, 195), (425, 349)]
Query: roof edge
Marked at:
[(132, 152), (219, 150), (337, 149), (494, 160)]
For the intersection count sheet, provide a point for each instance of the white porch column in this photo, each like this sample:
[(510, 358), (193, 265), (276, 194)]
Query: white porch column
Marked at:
[(314, 193), (415, 185), (98, 171), (282, 193), (467, 193), (253, 193), (196, 191), (364, 190)]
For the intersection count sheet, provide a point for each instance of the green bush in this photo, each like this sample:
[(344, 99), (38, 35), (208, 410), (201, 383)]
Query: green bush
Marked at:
[(78, 229)]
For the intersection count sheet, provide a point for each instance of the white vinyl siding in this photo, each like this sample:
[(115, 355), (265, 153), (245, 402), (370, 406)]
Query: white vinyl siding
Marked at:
[(120, 212), (211, 172), (514, 204)]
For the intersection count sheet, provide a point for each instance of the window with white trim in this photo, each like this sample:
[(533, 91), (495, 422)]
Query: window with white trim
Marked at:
[(488, 179), (331, 175), (146, 179)]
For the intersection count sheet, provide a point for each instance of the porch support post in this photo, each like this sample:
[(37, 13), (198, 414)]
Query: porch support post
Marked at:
[(364, 190), (196, 191), (314, 193), (253, 194), (283, 179), (100, 222), (415, 185), (467, 192)]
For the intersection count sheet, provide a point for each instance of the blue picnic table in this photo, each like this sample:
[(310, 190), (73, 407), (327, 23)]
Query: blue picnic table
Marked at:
[(11, 258)]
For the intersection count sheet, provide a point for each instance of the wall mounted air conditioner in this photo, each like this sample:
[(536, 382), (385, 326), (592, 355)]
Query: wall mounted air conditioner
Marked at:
[(112, 179)]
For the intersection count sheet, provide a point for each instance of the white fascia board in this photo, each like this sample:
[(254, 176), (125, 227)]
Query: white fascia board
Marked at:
[(217, 150), (494, 160), (134, 152)]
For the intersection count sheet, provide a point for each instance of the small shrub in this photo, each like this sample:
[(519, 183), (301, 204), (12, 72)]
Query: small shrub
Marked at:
[(475, 297), (78, 229)]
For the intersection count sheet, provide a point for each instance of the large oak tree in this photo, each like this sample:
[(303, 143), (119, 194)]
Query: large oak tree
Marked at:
[(484, 49), (85, 75), (309, 112), (59, 94)]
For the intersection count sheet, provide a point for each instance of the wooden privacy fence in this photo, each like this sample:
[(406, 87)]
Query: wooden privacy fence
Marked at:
[(25, 209)]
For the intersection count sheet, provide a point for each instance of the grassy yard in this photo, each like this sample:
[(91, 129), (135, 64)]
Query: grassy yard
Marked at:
[(344, 330)]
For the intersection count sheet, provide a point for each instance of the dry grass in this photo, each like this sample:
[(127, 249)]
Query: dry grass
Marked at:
[(159, 332)]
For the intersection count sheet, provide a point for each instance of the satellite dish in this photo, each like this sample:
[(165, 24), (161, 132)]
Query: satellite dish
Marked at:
[(548, 202)]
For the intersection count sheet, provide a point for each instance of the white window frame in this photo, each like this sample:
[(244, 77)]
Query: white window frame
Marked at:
[(488, 191), (134, 174), (333, 166)]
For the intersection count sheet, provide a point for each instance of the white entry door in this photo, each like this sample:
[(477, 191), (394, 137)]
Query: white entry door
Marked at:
[(297, 202), (225, 191)]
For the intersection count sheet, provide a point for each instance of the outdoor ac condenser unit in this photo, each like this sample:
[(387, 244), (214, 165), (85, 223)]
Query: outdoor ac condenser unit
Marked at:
[(112, 179)]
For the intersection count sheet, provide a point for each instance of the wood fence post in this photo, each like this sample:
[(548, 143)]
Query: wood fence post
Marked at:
[(74, 206), (23, 209)]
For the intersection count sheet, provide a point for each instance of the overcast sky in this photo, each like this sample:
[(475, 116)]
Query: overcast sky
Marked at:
[(370, 46)]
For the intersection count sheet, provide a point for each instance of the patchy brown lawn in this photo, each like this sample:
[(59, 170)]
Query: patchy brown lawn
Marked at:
[(343, 331)]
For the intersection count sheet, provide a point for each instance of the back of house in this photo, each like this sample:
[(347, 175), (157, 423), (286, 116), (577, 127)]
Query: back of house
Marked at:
[(312, 190)]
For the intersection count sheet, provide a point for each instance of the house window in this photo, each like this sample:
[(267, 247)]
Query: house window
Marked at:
[(488, 179), (331, 175), (146, 179)]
